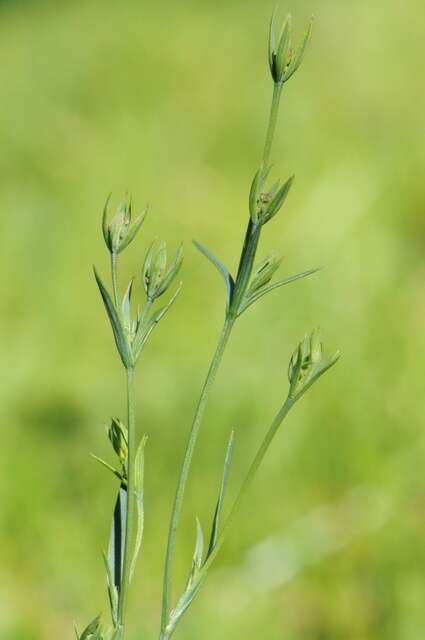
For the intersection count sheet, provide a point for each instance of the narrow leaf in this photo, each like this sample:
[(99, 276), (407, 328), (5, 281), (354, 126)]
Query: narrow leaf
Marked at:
[(261, 292), (139, 469), (117, 538), (108, 466), (223, 487), (120, 339), (272, 44), (230, 284)]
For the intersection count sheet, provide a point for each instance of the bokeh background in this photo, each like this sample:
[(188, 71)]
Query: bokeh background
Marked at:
[(169, 100)]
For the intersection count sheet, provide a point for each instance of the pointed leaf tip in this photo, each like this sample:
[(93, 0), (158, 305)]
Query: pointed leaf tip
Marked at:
[(230, 283)]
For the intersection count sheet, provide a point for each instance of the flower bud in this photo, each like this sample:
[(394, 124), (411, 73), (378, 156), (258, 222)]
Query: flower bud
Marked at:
[(118, 232), (263, 204), (307, 364), (156, 279), (284, 59), (118, 436)]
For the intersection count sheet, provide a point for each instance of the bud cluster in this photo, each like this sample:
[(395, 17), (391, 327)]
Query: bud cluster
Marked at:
[(265, 204), (118, 437), (156, 277), (284, 59), (118, 232), (307, 364)]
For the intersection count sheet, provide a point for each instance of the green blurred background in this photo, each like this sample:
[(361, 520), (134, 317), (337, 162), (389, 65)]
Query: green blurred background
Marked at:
[(169, 100)]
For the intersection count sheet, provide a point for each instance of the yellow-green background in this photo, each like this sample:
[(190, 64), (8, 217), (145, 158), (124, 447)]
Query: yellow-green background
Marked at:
[(169, 100)]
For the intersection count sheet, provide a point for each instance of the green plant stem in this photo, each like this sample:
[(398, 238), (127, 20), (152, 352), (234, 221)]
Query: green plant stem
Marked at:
[(184, 472), (271, 128), (129, 525), (246, 263), (114, 262)]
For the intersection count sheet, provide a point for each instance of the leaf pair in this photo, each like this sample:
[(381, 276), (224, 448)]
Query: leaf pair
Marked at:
[(259, 284)]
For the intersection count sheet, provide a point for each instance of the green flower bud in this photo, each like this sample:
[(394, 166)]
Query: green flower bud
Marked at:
[(263, 204), (118, 436), (118, 232), (156, 278), (307, 364), (284, 59)]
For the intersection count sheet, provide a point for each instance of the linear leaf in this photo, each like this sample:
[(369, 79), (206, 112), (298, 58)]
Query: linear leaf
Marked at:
[(261, 292), (223, 487), (139, 471), (108, 466), (230, 283), (120, 339), (117, 538)]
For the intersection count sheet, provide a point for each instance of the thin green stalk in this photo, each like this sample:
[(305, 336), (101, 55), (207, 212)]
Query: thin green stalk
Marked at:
[(252, 237), (274, 110), (114, 261), (181, 486), (129, 525)]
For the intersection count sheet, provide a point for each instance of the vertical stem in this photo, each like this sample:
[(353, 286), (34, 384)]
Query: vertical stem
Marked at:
[(125, 584), (114, 261), (184, 472), (274, 110)]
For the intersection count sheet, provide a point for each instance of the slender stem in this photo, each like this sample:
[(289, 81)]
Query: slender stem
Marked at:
[(184, 472), (129, 525), (114, 261), (274, 110), (252, 237)]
